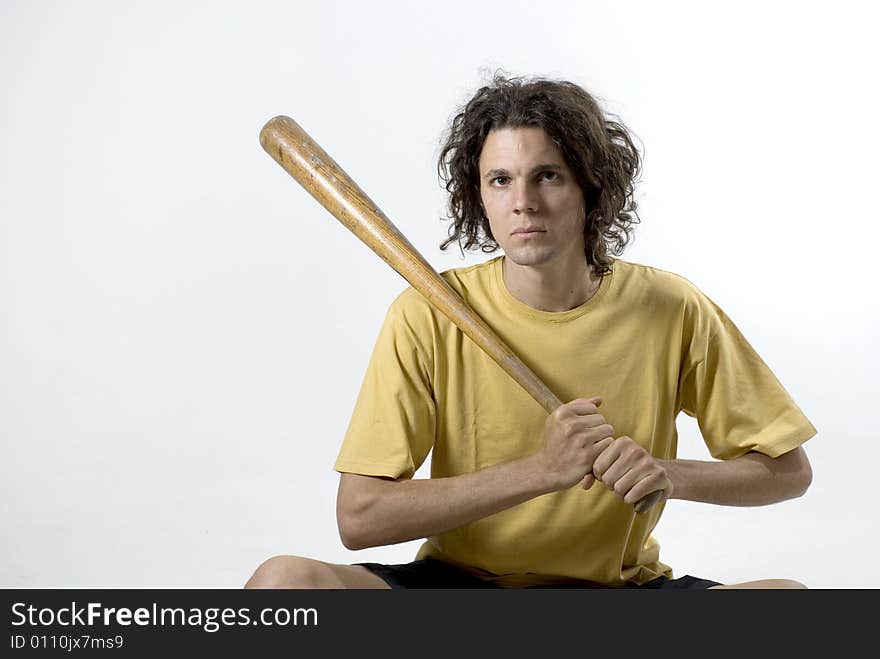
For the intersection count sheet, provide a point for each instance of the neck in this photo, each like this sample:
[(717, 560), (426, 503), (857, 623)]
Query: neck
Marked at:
[(552, 286)]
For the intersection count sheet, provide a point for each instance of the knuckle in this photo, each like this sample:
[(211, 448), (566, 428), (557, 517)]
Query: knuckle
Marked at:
[(631, 448)]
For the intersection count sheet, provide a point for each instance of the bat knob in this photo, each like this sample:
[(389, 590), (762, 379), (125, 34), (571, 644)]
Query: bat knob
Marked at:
[(649, 501)]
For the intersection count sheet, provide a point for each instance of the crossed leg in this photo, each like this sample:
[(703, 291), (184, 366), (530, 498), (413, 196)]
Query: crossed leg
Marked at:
[(298, 572)]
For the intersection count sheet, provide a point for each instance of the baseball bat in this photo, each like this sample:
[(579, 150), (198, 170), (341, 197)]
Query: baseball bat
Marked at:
[(326, 181)]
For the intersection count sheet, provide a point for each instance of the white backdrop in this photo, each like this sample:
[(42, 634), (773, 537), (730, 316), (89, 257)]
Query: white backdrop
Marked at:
[(184, 330)]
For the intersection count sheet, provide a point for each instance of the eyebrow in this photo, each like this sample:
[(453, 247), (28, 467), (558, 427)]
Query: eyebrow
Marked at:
[(492, 173)]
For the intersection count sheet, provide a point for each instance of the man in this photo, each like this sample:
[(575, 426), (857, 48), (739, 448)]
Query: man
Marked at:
[(534, 167)]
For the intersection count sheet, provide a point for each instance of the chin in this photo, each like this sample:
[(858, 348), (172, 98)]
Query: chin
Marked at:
[(529, 257)]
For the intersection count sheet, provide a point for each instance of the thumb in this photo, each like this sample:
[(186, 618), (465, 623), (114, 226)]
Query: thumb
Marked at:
[(597, 400)]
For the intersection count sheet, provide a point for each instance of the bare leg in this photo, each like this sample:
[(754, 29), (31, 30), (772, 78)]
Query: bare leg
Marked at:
[(764, 584), (297, 572)]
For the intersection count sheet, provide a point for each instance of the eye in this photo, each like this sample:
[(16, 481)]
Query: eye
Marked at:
[(499, 180), (550, 175)]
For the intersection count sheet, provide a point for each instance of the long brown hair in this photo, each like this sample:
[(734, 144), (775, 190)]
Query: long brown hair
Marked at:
[(599, 151)]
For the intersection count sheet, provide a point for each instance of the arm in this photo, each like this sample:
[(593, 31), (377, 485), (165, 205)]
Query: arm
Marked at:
[(373, 511), (753, 479)]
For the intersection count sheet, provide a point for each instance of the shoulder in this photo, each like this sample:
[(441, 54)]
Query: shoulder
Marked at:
[(657, 285), (670, 295), (479, 274), (664, 296), (412, 307)]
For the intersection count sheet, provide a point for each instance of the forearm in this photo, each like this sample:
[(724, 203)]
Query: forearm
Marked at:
[(753, 479), (386, 512)]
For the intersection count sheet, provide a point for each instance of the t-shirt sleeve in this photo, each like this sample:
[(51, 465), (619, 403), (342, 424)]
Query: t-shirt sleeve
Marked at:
[(738, 402), (392, 427)]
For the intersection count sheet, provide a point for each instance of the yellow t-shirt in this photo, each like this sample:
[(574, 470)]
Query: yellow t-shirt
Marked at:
[(649, 342)]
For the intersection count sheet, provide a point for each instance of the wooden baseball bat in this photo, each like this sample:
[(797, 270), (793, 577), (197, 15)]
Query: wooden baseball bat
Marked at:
[(309, 164)]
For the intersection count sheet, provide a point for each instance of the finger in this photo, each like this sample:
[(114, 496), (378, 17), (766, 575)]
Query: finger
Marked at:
[(626, 481), (629, 462), (619, 470), (589, 422), (588, 481), (582, 406), (597, 422), (608, 456), (644, 487), (599, 447)]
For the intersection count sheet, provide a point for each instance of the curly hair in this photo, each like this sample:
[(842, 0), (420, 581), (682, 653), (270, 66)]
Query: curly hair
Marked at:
[(599, 151)]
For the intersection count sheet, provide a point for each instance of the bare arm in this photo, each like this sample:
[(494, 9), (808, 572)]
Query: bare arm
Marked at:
[(753, 479), (373, 511)]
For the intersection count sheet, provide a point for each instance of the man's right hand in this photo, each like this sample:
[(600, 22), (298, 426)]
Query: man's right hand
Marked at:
[(574, 436)]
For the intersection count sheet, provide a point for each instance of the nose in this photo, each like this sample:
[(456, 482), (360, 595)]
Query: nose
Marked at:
[(525, 199)]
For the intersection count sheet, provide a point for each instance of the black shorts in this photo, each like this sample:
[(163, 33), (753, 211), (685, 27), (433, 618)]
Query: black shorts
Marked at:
[(432, 573)]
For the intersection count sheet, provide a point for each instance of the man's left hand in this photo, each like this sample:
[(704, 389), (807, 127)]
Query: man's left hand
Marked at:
[(630, 471)]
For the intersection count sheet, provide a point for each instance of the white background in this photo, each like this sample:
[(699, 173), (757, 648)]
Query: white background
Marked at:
[(184, 330)]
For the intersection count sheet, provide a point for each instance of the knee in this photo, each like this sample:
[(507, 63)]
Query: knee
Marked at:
[(291, 572), (787, 584), (775, 584)]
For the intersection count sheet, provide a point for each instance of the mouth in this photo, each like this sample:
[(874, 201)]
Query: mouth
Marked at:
[(528, 232)]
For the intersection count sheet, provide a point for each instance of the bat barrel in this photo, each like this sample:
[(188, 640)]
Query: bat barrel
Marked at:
[(326, 181)]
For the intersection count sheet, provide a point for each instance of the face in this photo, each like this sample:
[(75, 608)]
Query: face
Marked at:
[(531, 197)]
